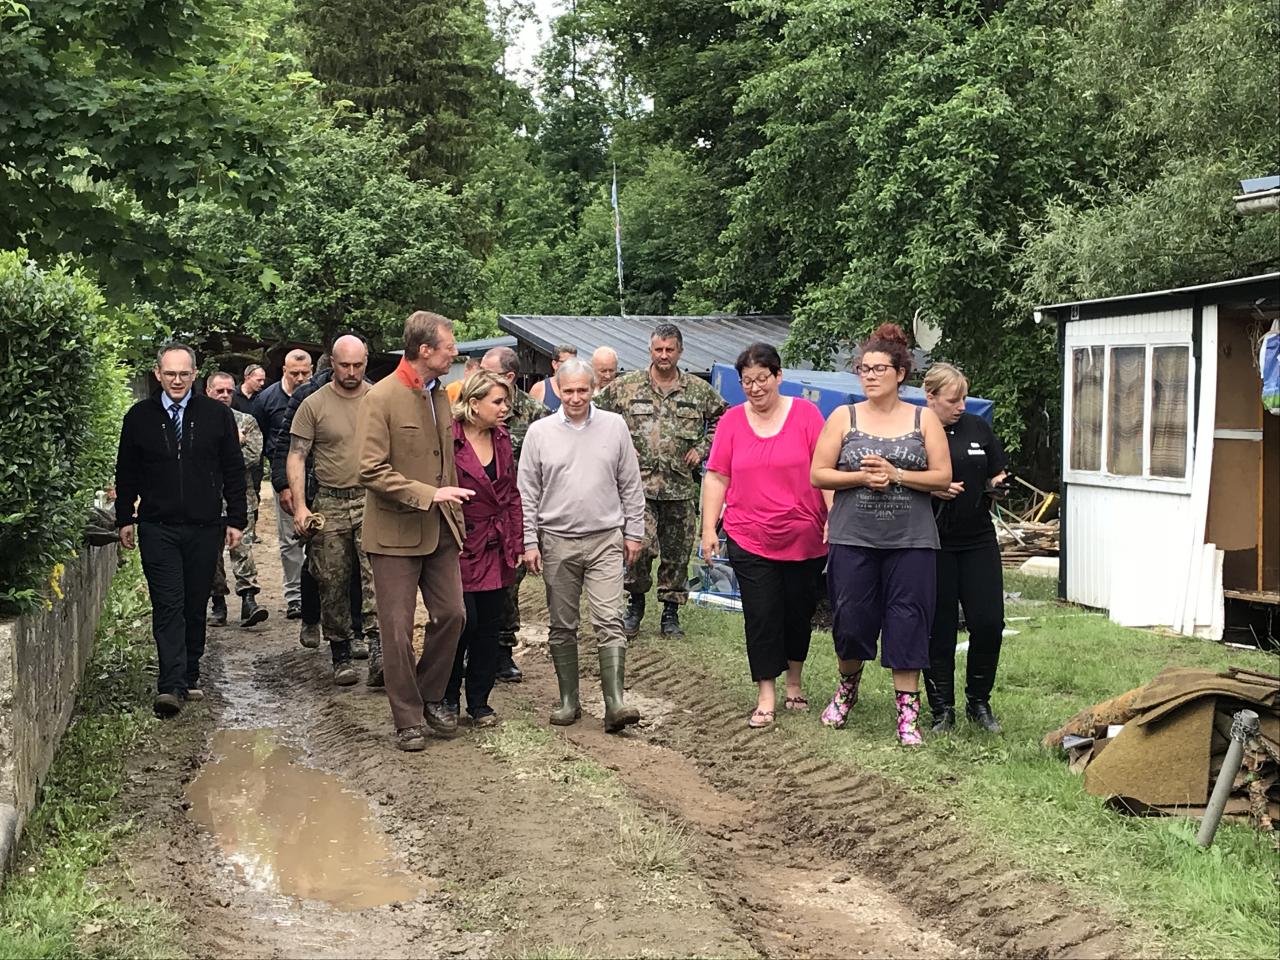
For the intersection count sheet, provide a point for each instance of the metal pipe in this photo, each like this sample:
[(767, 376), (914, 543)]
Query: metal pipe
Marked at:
[(1243, 726)]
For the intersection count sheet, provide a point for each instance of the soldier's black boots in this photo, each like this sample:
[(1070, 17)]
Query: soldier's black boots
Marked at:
[(635, 613), (671, 620), (508, 672), (218, 611), (250, 613)]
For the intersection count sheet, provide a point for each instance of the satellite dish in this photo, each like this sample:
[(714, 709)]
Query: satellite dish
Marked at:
[(926, 332)]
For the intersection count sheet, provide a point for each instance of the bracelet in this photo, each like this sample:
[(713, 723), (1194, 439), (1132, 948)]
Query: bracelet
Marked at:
[(898, 479)]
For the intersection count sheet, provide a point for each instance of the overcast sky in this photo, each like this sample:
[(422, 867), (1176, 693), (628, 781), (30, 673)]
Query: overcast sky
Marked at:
[(520, 58)]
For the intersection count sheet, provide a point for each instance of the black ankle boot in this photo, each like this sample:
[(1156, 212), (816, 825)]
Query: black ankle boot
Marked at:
[(250, 613), (635, 613), (671, 620), (218, 611), (944, 720), (979, 711), (508, 672)]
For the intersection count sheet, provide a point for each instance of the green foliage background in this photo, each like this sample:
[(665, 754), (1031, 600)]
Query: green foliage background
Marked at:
[(63, 395), (292, 169)]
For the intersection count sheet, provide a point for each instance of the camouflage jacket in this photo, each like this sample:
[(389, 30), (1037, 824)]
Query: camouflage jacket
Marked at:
[(665, 427), (251, 446), (524, 410)]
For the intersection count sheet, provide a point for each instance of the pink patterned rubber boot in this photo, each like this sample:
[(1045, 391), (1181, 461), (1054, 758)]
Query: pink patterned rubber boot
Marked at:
[(908, 718), (846, 696)]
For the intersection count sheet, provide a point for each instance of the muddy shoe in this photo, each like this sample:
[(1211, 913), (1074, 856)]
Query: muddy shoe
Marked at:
[(167, 705), (193, 694), (218, 611), (635, 613), (670, 625), (440, 718), (617, 714), (344, 674), (359, 649), (846, 695), (411, 739), (484, 717), (293, 610), (309, 635), (250, 613)]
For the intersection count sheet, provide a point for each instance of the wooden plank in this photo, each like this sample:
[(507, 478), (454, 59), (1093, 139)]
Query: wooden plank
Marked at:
[(1253, 596)]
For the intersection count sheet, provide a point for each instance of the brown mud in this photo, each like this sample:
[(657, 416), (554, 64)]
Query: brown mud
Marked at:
[(466, 849)]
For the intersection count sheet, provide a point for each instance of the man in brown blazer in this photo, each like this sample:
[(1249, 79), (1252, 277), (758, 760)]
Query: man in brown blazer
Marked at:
[(413, 525)]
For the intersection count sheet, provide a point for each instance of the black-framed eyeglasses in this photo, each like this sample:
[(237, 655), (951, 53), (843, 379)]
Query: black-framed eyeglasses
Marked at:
[(878, 369), (760, 382)]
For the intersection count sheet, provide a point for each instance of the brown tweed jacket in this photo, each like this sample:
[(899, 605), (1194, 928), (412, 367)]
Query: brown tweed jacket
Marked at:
[(405, 455)]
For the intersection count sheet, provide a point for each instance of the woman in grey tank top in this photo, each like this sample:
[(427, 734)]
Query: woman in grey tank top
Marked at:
[(882, 457)]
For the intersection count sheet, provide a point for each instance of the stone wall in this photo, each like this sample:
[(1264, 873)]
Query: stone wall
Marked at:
[(42, 658)]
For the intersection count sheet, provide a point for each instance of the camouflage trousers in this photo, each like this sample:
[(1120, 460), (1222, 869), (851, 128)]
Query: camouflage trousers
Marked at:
[(670, 531), (331, 553), (510, 624), (242, 565)]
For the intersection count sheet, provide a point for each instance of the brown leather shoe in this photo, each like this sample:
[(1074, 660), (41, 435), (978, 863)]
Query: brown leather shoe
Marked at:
[(411, 739), (440, 718), (167, 705)]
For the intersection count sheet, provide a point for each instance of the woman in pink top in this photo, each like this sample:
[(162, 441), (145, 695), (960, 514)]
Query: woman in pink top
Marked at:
[(774, 519)]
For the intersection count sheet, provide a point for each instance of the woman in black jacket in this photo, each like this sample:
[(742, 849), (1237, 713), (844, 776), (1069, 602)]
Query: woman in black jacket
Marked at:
[(969, 571)]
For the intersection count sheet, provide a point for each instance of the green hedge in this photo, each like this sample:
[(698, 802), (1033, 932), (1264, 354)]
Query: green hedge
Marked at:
[(62, 395)]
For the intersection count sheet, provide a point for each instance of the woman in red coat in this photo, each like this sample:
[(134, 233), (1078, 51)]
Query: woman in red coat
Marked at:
[(495, 536)]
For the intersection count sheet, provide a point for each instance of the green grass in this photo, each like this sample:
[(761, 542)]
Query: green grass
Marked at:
[(1019, 798), (51, 906)]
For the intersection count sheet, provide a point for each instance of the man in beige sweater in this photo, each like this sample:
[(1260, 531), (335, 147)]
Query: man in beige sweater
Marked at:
[(583, 521)]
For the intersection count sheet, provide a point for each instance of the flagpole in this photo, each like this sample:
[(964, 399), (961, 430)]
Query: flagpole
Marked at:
[(617, 241)]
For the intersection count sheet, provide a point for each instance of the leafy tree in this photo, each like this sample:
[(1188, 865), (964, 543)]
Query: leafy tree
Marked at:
[(426, 65), (355, 244), (1184, 105), (111, 110)]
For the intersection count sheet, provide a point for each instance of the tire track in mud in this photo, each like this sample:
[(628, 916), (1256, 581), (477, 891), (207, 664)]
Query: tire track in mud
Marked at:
[(875, 827)]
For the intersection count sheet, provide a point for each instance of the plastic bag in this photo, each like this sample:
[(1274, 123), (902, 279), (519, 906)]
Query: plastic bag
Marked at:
[(1269, 364)]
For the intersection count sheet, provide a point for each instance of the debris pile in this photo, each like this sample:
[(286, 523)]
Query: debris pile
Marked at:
[(1157, 750), (1030, 532)]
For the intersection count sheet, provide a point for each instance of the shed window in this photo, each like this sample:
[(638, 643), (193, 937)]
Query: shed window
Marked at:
[(1169, 391), (1131, 410), (1086, 408), (1125, 402)]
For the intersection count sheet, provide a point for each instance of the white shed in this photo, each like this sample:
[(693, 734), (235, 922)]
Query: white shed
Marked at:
[(1170, 466)]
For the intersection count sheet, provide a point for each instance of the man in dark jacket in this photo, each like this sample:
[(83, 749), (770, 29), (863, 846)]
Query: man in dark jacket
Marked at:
[(269, 407), (179, 460)]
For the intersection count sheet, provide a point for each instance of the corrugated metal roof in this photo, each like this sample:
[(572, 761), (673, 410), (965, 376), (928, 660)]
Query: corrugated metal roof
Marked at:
[(707, 340), (478, 348)]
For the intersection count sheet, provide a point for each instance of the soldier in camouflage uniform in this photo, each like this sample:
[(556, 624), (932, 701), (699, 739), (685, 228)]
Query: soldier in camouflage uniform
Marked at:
[(324, 427), (672, 417), (522, 412), (221, 387)]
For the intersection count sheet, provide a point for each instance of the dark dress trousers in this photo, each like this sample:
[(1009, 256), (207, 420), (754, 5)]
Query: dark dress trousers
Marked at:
[(174, 490)]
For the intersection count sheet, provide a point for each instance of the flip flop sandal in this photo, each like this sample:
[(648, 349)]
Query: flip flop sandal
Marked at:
[(760, 719), (796, 703)]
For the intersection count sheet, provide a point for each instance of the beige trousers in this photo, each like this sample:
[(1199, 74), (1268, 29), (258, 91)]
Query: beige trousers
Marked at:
[(593, 563)]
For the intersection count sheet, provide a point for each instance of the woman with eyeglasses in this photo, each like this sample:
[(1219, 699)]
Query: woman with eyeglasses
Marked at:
[(774, 520), (969, 571), (883, 458)]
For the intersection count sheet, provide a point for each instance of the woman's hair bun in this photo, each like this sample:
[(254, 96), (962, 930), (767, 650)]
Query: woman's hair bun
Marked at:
[(891, 333)]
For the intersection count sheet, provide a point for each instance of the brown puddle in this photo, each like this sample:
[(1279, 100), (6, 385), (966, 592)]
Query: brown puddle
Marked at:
[(291, 829)]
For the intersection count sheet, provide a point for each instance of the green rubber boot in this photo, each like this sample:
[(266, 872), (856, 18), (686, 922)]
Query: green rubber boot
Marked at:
[(613, 661), (565, 658)]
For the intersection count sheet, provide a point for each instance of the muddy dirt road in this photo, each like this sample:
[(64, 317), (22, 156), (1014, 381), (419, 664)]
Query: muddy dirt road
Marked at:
[(281, 821)]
